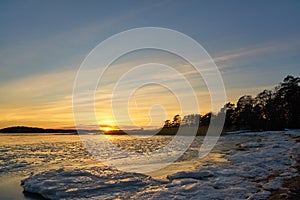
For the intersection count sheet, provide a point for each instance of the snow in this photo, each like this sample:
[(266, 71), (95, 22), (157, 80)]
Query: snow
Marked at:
[(257, 166), (253, 172), (100, 182)]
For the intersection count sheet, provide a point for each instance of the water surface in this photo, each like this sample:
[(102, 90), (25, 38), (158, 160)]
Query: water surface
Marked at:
[(24, 154)]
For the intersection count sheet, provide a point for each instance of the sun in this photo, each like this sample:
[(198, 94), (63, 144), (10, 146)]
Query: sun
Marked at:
[(107, 129)]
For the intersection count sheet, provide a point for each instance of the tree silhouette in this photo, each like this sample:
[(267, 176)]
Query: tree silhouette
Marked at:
[(269, 110), (205, 119), (167, 124), (288, 94), (191, 120), (229, 109), (244, 112), (176, 121)]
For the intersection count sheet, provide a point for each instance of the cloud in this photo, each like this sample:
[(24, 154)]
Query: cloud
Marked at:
[(37, 88), (226, 59)]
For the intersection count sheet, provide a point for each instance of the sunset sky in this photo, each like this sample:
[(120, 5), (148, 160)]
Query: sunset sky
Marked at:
[(255, 44)]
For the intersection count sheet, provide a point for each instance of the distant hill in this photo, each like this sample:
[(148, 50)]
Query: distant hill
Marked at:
[(24, 129)]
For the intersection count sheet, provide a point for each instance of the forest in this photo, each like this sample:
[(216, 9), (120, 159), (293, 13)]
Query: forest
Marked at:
[(275, 109)]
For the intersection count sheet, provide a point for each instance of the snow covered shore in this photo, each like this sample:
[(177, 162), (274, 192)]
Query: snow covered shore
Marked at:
[(256, 167), (100, 182)]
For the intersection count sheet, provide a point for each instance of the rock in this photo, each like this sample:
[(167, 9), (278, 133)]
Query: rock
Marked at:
[(193, 175)]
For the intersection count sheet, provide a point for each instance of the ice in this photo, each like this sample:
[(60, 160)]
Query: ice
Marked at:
[(100, 182), (253, 172), (273, 185), (256, 163), (262, 194)]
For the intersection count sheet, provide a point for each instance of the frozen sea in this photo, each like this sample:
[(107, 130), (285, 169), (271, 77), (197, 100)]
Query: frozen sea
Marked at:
[(247, 165)]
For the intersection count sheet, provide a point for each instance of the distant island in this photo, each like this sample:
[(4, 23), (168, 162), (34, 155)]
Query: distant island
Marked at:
[(25, 129)]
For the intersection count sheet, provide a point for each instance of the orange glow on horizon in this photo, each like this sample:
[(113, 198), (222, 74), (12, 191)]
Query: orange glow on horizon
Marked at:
[(107, 129)]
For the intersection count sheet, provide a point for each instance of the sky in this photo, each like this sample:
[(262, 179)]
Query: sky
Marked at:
[(255, 44)]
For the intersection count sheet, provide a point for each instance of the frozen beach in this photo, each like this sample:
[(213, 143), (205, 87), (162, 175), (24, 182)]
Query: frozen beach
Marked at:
[(241, 166)]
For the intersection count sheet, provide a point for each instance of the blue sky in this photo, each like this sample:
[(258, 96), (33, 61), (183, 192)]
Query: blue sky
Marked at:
[(254, 43)]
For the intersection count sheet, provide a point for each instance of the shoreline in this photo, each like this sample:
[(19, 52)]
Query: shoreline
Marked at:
[(290, 189), (257, 165)]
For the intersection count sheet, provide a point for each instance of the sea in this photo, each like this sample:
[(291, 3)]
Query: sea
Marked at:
[(23, 154), (241, 164)]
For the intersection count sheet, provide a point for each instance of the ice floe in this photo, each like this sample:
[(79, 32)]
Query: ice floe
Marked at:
[(96, 182), (255, 168)]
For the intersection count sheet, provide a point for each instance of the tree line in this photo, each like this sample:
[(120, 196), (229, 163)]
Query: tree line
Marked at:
[(269, 110)]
